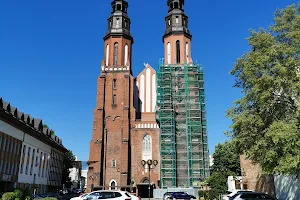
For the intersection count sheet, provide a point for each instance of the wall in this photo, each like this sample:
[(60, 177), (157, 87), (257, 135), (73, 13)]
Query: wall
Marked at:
[(287, 187), (10, 130), (254, 179), (39, 163)]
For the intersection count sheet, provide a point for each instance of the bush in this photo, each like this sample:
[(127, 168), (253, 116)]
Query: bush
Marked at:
[(27, 194), (209, 194), (27, 197), (8, 196), (18, 193)]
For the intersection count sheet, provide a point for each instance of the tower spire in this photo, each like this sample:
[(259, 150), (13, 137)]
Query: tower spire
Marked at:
[(117, 40), (177, 37), (118, 21), (176, 19)]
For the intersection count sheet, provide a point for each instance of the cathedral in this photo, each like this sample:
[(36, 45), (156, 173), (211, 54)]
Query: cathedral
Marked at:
[(155, 116)]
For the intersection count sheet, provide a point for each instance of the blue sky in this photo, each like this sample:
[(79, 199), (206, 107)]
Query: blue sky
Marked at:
[(50, 55)]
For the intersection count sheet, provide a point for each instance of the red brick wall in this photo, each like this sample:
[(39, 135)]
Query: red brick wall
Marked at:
[(254, 179), (138, 172)]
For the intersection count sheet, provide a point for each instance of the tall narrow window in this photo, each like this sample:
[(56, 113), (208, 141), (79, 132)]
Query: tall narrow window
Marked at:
[(169, 52), (178, 51), (115, 99), (114, 84), (32, 162), (118, 23), (23, 159), (126, 54), (147, 147), (28, 160), (187, 52), (107, 55), (177, 19), (116, 54), (114, 164)]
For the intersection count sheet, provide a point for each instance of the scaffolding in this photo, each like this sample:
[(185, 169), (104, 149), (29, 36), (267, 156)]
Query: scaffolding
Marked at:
[(182, 119)]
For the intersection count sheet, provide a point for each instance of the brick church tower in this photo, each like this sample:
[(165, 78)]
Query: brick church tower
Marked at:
[(114, 115)]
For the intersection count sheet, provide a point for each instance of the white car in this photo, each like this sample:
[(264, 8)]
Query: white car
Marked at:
[(80, 197), (106, 194), (133, 197)]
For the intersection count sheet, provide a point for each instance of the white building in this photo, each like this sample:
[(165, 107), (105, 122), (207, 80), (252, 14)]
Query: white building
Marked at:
[(75, 174), (31, 155)]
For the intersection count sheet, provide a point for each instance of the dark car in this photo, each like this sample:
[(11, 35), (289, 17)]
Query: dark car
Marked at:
[(251, 196), (182, 195)]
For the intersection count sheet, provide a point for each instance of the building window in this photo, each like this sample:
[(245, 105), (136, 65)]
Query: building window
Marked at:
[(23, 159), (114, 164), (169, 22), (125, 54), (116, 54), (117, 23), (177, 51), (147, 147), (4, 167), (187, 52), (32, 161), (1, 163), (40, 164), (125, 23), (0, 142), (107, 55), (169, 52), (177, 19), (114, 84), (114, 99), (28, 160), (113, 184), (12, 170)]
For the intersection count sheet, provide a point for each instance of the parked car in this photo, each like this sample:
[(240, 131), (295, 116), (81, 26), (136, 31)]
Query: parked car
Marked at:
[(105, 194), (251, 196), (232, 193), (167, 196), (182, 195)]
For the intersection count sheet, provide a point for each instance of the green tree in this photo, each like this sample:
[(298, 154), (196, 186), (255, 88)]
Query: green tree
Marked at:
[(226, 163), (266, 119), (226, 158), (218, 181), (69, 159)]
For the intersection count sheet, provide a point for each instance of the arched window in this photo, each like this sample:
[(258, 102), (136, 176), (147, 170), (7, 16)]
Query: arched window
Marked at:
[(114, 99), (169, 52), (147, 147), (178, 51), (107, 54), (113, 184), (114, 84), (116, 54), (187, 52), (126, 54)]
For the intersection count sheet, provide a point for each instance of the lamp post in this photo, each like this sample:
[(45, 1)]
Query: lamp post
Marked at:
[(149, 163), (93, 177)]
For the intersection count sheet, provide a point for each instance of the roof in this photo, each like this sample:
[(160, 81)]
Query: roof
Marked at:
[(34, 124)]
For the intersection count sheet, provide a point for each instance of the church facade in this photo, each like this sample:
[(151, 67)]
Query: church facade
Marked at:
[(125, 128)]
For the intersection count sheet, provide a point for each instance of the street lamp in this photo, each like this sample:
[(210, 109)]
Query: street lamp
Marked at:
[(93, 177), (149, 163)]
